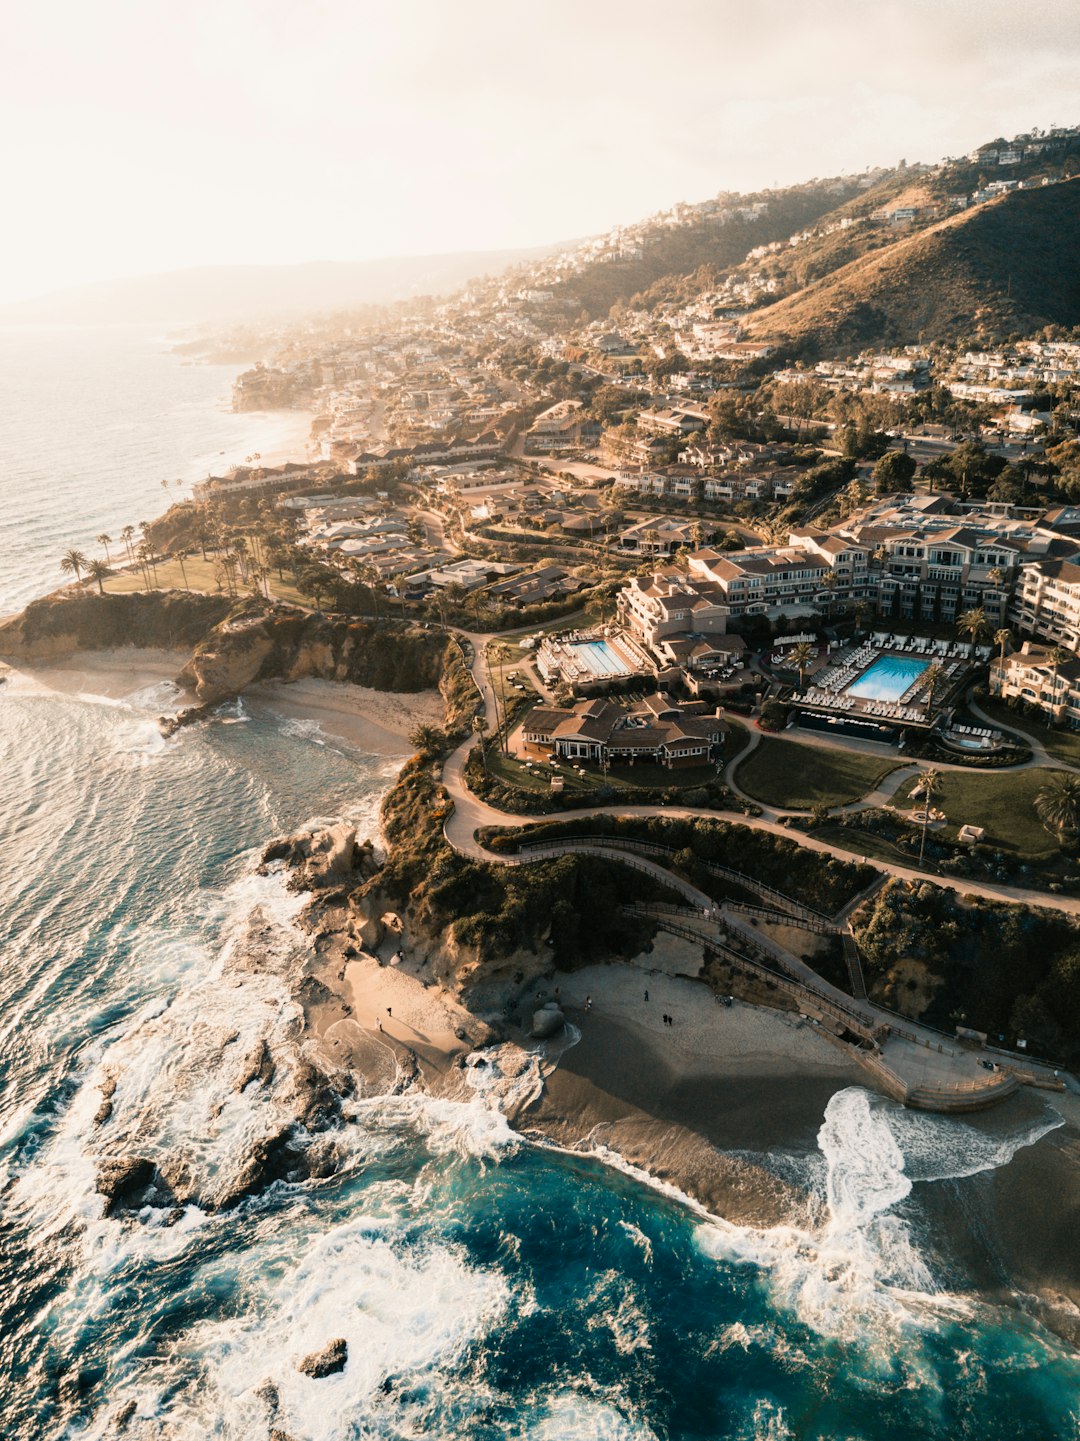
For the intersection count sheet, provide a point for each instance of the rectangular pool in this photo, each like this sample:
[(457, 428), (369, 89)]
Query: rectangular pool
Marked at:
[(598, 657), (888, 678)]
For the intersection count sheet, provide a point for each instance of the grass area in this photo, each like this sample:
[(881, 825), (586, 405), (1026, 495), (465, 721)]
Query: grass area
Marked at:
[(1062, 745), (200, 577), (590, 779), (1003, 804), (797, 777)]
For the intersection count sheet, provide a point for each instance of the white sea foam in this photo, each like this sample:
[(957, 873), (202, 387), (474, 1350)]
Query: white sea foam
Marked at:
[(859, 1274), (571, 1417), (640, 1240), (405, 1313)]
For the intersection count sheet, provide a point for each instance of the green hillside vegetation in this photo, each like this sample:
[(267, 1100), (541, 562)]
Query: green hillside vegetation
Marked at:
[(1004, 267), (703, 249)]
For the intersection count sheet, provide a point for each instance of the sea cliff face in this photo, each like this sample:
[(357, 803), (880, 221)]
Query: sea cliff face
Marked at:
[(66, 622), (265, 642), (232, 644)]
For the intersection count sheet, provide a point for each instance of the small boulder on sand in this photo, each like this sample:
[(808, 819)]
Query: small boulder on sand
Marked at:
[(547, 1021)]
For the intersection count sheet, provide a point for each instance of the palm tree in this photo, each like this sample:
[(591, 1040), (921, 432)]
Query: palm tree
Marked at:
[(862, 610), (126, 536), (106, 541), (973, 623), (181, 556), (73, 563), (830, 583), (1058, 805), (1058, 656), (801, 655), (927, 787), (427, 738), (145, 554), (933, 677), (99, 571), (1002, 638), (312, 582), (480, 725)]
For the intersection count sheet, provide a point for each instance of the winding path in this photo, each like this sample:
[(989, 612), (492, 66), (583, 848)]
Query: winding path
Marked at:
[(470, 813)]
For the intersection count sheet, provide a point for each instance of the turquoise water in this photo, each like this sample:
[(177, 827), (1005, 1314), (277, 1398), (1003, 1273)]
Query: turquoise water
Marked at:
[(487, 1287), (599, 657), (888, 678)]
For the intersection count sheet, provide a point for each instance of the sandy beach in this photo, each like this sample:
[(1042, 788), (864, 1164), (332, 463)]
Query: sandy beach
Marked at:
[(376, 722), (116, 674)]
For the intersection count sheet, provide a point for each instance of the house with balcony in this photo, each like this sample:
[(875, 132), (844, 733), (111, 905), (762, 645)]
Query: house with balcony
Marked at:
[(1041, 677)]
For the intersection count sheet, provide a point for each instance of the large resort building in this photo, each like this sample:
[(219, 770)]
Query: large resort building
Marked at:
[(655, 731)]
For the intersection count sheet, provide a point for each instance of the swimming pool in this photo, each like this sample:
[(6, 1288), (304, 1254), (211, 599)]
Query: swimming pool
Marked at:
[(888, 678), (598, 657)]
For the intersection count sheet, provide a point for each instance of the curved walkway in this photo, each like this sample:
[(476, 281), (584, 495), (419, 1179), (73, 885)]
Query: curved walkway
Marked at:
[(470, 813)]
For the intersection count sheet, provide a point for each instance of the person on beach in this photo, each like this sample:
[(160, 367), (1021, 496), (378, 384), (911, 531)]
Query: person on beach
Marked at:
[(588, 1003), (646, 995)]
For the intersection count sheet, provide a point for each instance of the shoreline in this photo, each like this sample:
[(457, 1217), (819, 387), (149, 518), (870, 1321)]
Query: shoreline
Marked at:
[(699, 1108), (373, 722)]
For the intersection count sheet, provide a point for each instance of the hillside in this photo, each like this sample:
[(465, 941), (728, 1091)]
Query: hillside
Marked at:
[(229, 292), (1007, 265), (693, 256)]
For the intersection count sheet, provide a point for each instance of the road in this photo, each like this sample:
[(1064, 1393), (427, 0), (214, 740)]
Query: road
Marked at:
[(470, 813)]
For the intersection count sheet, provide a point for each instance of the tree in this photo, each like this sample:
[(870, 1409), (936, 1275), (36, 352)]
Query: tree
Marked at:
[(927, 788), (480, 725), (831, 584), (145, 556), (1002, 638), (312, 582), (428, 739), (932, 679), (1058, 656), (73, 563), (973, 623), (106, 541), (126, 536), (99, 571), (1058, 805), (181, 556), (894, 472), (800, 657)]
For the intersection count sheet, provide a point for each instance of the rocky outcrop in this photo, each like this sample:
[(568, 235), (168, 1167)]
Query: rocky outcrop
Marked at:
[(265, 642), (331, 1359), (232, 643), (75, 620), (548, 1021), (322, 858)]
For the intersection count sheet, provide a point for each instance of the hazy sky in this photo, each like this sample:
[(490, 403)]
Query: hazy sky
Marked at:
[(140, 136)]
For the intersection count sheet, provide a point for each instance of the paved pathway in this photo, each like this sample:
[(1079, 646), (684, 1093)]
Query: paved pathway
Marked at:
[(470, 813)]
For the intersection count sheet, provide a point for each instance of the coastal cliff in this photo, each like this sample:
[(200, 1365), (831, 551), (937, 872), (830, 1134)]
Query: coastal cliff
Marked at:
[(232, 643), (70, 621)]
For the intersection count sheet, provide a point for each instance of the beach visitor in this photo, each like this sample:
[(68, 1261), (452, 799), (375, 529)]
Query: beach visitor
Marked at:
[(646, 995), (588, 1003)]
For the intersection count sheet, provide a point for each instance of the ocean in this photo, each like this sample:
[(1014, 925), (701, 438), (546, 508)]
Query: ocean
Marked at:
[(486, 1286)]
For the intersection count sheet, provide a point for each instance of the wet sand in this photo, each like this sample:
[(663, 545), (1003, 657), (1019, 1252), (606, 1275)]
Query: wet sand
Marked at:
[(116, 674), (376, 722)]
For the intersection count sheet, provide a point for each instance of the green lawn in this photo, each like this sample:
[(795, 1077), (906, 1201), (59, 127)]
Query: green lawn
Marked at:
[(200, 577), (796, 777), (1003, 804), (1062, 745), (591, 779)]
